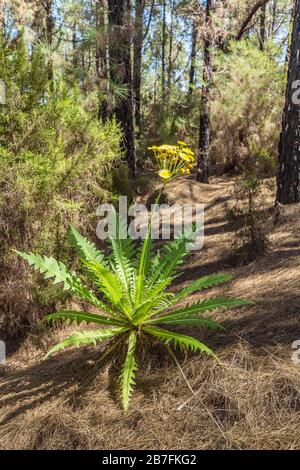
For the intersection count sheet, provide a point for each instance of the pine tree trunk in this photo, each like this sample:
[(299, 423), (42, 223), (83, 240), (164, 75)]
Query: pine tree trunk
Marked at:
[(289, 147), (193, 59), (137, 61), (205, 130), (100, 42), (49, 37), (170, 59), (74, 46), (101, 59), (164, 43), (274, 17), (120, 43), (262, 35)]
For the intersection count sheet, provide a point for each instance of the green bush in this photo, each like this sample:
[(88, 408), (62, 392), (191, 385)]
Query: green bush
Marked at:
[(55, 165), (247, 107)]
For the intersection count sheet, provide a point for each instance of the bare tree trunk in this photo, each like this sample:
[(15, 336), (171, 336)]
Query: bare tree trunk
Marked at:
[(74, 46), (49, 37), (164, 41), (289, 147), (274, 16), (263, 31), (170, 59), (101, 59), (156, 67), (193, 59), (121, 72), (137, 61), (205, 127), (259, 4), (100, 41)]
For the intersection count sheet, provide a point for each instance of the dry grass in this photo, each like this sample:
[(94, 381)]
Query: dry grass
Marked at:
[(68, 401)]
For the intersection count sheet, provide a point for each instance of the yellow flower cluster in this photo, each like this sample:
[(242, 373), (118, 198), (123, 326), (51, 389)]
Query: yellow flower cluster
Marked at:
[(174, 160)]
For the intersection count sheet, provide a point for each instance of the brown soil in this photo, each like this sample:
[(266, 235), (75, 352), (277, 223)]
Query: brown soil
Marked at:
[(251, 400)]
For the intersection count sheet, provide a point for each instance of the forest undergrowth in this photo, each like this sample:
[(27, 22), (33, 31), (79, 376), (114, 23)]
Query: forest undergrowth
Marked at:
[(251, 400)]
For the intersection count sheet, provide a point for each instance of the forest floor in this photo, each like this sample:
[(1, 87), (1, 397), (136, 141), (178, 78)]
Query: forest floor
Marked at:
[(251, 400)]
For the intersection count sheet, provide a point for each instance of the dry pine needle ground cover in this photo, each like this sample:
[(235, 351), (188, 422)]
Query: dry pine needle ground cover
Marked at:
[(68, 401)]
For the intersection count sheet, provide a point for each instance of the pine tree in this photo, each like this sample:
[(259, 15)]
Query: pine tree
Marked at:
[(205, 131), (289, 147), (137, 62), (120, 43)]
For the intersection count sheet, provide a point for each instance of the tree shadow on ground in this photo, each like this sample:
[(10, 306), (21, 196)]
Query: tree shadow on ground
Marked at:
[(40, 382), (72, 374)]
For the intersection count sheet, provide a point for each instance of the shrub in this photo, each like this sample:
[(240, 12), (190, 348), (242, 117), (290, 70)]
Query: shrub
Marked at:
[(251, 220), (247, 107), (55, 168)]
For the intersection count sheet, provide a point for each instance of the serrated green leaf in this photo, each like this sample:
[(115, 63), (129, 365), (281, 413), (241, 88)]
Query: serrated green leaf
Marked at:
[(109, 285), (144, 264), (85, 248), (79, 317), (172, 257), (128, 371), (186, 343), (191, 321), (121, 259), (202, 283), (59, 273), (86, 337), (201, 307)]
